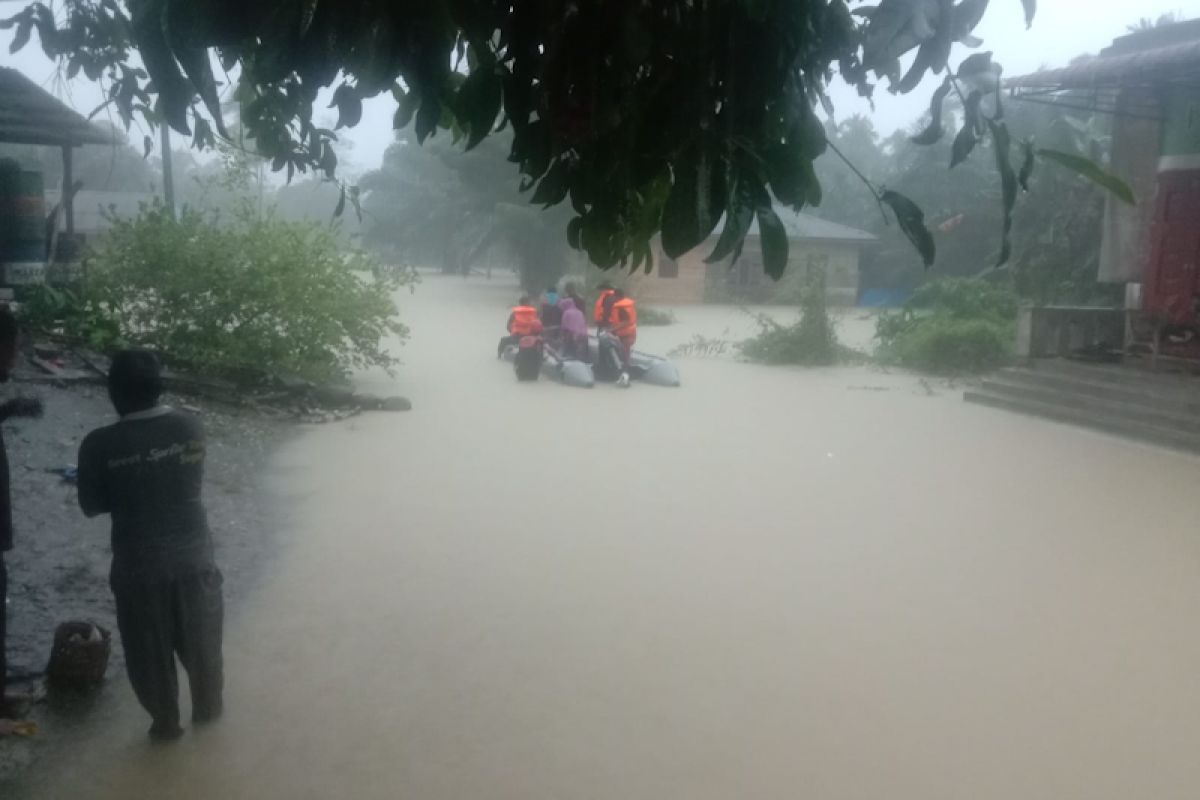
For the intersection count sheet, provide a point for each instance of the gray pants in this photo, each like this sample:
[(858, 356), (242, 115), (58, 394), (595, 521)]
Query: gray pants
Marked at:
[(159, 620)]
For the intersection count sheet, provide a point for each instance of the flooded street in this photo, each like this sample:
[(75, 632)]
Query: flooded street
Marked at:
[(770, 583)]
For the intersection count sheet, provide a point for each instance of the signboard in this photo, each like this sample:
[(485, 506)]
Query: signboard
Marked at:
[(24, 273)]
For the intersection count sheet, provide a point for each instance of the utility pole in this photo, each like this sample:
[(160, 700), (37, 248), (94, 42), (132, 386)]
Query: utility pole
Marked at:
[(168, 170)]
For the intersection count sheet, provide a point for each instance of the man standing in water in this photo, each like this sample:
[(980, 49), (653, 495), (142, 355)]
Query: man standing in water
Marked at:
[(603, 307), (622, 324), (146, 471), (17, 407)]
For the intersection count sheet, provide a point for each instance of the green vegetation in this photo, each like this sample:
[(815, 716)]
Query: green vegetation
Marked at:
[(952, 326), (655, 317), (238, 297), (810, 342)]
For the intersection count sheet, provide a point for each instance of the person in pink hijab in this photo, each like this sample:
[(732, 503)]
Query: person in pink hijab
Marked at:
[(573, 329)]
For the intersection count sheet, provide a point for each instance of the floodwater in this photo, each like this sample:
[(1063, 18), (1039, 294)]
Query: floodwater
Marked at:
[(770, 583)]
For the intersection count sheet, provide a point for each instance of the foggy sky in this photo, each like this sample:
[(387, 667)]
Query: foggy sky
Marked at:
[(1063, 29)]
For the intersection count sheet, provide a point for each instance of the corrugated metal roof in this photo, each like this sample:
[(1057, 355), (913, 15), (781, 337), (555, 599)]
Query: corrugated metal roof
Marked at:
[(31, 115), (1131, 61), (806, 226)]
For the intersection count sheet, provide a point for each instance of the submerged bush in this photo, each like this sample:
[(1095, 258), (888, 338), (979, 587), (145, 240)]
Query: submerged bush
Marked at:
[(951, 326), (966, 298), (652, 317), (810, 342), (947, 346), (254, 294)]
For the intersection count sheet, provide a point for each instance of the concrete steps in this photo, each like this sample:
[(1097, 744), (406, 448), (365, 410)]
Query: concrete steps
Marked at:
[(1159, 409)]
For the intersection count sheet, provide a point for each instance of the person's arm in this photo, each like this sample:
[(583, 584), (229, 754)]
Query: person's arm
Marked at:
[(21, 407), (511, 318), (93, 494)]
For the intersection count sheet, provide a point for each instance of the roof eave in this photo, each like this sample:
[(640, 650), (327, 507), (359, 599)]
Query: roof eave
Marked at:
[(1167, 64)]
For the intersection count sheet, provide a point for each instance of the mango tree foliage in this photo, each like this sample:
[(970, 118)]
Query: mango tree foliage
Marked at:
[(645, 116)]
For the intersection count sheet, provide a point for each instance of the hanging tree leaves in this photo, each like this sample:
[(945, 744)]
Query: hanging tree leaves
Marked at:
[(649, 115)]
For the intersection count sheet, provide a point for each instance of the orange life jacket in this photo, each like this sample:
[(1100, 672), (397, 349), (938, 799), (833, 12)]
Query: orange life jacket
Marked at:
[(598, 312), (627, 327), (523, 319)]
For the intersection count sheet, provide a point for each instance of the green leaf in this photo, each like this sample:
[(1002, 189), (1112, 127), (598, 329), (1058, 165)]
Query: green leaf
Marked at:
[(1027, 164), (936, 129), (1093, 172), (912, 223), (341, 203), (147, 146), (980, 63), (648, 255), (966, 17), (577, 201), (737, 224), (174, 90), (532, 149), (203, 135), (428, 116), (574, 229), (328, 161), (1030, 11), (478, 102), (1002, 145), (774, 241), (968, 137), (815, 193), (21, 38), (198, 70), (349, 106), (406, 107), (964, 144), (553, 187), (924, 62), (695, 204)]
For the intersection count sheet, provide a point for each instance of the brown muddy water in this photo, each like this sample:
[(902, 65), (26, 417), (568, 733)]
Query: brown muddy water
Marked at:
[(770, 583)]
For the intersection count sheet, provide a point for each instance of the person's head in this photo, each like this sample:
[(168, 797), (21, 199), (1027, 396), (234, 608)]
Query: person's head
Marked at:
[(524, 301), (571, 289), (134, 381), (605, 286), (551, 290), (618, 294), (10, 333), (566, 304)]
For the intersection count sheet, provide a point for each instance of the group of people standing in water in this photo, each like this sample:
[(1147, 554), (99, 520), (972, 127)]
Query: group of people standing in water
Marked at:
[(561, 320)]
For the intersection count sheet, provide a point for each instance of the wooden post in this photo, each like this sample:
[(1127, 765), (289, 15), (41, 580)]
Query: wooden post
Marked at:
[(68, 189), (168, 170)]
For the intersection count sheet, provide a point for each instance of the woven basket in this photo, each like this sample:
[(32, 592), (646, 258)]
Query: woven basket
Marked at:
[(80, 655)]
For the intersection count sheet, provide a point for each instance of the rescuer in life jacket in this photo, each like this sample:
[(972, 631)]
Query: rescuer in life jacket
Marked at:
[(622, 323), (520, 323), (527, 363), (603, 307)]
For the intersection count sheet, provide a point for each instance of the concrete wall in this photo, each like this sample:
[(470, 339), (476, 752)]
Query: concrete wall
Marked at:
[(672, 282), (747, 281), (692, 281)]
